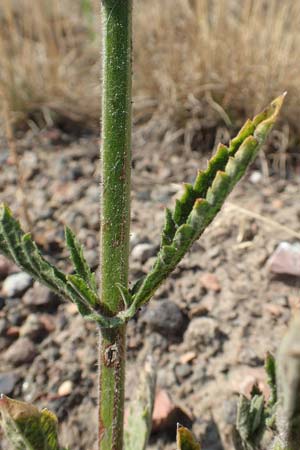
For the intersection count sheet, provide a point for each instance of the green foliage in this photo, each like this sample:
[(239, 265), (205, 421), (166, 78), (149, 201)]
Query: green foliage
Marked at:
[(274, 423), (288, 388), (81, 266), (193, 212), (139, 420), (250, 421), (186, 440), (200, 202), (26, 427)]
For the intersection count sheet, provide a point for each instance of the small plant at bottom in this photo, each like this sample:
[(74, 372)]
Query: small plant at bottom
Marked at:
[(113, 304), (274, 423)]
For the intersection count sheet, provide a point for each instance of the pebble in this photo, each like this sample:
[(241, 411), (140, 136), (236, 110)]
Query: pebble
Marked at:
[(255, 177), (203, 334), (5, 267), (8, 381), (245, 378), (3, 326), (162, 411), (16, 284), (285, 259), (21, 352), (166, 414), (165, 317), (183, 371), (187, 357), (40, 295), (230, 411), (210, 282), (33, 328), (142, 252), (65, 388)]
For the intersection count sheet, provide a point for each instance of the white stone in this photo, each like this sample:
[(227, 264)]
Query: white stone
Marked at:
[(16, 284), (142, 252), (255, 177), (285, 259), (65, 388)]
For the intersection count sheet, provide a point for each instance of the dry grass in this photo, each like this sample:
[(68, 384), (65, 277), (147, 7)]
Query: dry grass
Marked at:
[(196, 61), (48, 66)]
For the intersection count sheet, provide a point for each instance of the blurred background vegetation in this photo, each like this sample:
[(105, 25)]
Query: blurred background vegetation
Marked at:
[(198, 63)]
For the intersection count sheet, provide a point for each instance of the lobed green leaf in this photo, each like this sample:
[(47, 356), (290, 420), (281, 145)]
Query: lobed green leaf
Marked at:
[(81, 266), (200, 202)]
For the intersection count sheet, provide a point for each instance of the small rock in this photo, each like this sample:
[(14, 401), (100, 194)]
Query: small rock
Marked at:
[(198, 310), (3, 326), (40, 295), (255, 177), (274, 310), (165, 317), (187, 357), (249, 356), (277, 203), (183, 371), (230, 411), (33, 328), (92, 258), (163, 410), (48, 322), (71, 309), (294, 302), (16, 284), (29, 165), (13, 332), (246, 378), (8, 381), (203, 334), (210, 282), (65, 388), (20, 352), (285, 259), (166, 414), (142, 252), (5, 267)]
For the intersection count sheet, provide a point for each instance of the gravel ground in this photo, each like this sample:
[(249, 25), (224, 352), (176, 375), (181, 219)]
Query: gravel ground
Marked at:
[(208, 327)]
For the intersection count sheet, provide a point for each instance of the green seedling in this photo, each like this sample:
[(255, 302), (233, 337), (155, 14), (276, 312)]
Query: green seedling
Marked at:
[(274, 424), (113, 304)]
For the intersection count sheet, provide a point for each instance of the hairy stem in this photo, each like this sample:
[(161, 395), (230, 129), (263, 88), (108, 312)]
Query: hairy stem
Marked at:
[(115, 212)]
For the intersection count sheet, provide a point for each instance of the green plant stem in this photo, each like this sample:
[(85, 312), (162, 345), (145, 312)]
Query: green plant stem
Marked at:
[(115, 212)]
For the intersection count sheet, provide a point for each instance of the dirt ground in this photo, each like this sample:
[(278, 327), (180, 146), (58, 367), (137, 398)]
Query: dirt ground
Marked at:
[(230, 310)]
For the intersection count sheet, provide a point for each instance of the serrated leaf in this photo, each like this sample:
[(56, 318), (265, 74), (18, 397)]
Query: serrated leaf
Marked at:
[(200, 203), (26, 427), (256, 412), (169, 229), (246, 131), (205, 178), (184, 204), (77, 257), (125, 294), (20, 248), (83, 290), (139, 419), (186, 440), (243, 420)]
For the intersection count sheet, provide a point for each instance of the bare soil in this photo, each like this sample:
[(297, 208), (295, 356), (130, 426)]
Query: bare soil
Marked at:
[(231, 310)]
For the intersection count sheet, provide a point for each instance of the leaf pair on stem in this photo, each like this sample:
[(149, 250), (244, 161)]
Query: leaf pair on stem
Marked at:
[(193, 212)]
